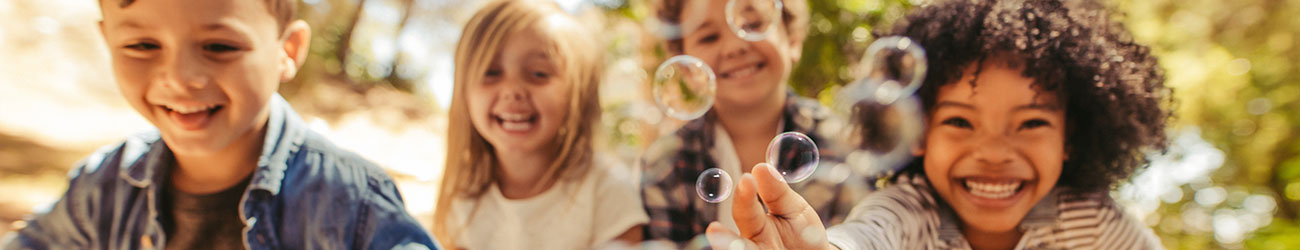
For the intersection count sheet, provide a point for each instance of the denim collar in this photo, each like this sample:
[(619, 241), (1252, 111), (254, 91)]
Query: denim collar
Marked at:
[(285, 133)]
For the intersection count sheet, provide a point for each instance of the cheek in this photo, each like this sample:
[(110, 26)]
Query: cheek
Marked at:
[(248, 83), (553, 101), (477, 101), (132, 80)]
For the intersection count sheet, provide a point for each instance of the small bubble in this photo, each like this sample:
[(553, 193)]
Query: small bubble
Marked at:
[(713, 185)]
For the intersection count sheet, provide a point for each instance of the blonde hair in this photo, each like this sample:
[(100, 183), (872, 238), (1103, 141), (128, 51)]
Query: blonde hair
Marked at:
[(470, 158)]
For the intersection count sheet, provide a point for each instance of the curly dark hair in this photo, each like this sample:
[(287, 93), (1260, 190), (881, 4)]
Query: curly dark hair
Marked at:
[(1116, 103)]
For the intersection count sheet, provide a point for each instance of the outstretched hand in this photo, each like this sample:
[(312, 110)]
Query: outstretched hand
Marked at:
[(788, 222)]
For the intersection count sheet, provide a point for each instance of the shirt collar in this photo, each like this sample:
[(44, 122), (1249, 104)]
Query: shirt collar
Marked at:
[(285, 133)]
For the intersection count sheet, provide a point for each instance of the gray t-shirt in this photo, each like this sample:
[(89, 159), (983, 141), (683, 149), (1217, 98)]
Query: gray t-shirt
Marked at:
[(209, 221)]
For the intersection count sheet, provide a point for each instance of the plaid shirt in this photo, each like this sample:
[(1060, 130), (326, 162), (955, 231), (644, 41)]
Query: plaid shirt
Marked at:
[(674, 162)]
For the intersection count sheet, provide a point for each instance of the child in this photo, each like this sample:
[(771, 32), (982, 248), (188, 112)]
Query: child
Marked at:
[(231, 165), (521, 171), (1034, 108), (753, 105)]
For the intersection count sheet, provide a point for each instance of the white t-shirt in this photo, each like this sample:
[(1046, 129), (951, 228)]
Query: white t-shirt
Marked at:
[(579, 213)]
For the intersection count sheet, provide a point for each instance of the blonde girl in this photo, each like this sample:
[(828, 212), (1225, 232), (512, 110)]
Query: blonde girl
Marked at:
[(521, 170)]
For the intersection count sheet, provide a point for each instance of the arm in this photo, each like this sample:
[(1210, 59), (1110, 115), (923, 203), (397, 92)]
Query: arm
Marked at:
[(788, 223), (390, 226), (67, 224)]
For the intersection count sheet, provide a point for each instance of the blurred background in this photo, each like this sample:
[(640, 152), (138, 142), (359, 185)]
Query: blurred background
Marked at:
[(378, 81)]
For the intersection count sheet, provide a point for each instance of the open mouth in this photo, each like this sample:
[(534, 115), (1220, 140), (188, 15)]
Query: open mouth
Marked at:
[(515, 122), (992, 188), (191, 117), (743, 72)]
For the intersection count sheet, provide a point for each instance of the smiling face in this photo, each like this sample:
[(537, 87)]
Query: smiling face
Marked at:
[(747, 72), (523, 98), (994, 149), (203, 78)]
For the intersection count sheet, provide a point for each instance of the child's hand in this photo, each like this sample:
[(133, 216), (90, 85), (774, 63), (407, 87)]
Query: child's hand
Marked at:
[(789, 223)]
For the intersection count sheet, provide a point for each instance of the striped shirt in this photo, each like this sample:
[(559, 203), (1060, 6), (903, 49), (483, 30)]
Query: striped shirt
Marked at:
[(906, 215)]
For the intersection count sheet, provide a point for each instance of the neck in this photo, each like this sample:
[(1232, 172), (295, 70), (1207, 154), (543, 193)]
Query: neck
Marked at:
[(751, 128), (206, 174), (519, 175), (982, 240)]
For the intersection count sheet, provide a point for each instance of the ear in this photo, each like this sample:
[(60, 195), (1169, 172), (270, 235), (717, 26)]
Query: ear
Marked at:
[(795, 46), (1066, 153), (918, 149), (296, 40), (102, 33)]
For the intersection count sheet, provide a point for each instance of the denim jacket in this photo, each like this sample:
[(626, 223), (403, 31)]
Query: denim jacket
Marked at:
[(306, 193)]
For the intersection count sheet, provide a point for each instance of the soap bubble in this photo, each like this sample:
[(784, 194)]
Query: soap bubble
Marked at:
[(794, 155), (897, 65), (713, 185), (752, 19), (684, 87), (884, 118)]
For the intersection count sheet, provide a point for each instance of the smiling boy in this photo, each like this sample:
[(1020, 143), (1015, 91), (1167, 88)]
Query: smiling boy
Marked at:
[(231, 165)]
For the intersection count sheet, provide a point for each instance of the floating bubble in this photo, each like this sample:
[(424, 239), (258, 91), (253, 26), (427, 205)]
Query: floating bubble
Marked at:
[(684, 87), (880, 134), (897, 65), (885, 119), (752, 19), (713, 185), (794, 155)]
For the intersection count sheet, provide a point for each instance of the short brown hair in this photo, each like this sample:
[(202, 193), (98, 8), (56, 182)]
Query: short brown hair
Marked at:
[(282, 10), (794, 14)]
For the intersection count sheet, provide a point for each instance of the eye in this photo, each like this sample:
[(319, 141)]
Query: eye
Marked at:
[(1034, 123), (541, 74), (957, 122), (142, 46), (219, 47), (753, 25), (710, 38)]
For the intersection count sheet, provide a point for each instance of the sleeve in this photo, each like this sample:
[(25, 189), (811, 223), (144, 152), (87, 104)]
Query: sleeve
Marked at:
[(387, 224), (617, 196), (1121, 231), (664, 194), (68, 223), (892, 218)]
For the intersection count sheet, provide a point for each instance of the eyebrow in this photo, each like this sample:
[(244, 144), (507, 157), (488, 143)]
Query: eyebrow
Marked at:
[(1037, 106), (1031, 106), (129, 24), (953, 104)]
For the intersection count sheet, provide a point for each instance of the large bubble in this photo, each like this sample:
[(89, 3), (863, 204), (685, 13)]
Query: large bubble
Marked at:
[(684, 87), (752, 19), (794, 155)]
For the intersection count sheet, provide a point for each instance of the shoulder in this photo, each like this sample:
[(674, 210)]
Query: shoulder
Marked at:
[(1108, 223), (110, 159), (669, 152), (320, 169), (909, 197)]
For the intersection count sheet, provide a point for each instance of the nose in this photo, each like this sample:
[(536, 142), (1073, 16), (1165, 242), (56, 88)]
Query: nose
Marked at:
[(994, 149), (733, 46), (183, 69), (514, 90)]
